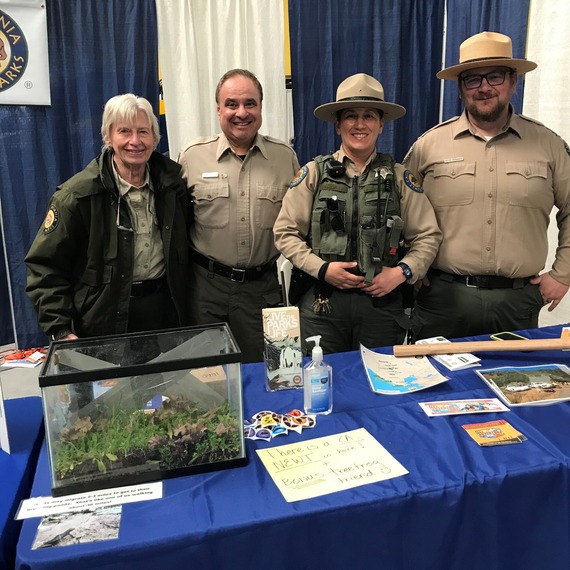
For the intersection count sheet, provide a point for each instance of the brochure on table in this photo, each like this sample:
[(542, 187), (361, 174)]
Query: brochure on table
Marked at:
[(452, 361), (29, 358), (456, 407), (498, 432)]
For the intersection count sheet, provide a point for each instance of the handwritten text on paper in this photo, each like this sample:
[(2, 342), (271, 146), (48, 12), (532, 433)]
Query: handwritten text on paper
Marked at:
[(329, 464)]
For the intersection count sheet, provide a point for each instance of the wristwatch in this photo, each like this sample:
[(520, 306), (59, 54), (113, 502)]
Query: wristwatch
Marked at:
[(406, 270)]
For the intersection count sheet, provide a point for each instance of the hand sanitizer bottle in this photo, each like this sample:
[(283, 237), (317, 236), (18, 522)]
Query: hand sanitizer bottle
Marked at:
[(317, 381)]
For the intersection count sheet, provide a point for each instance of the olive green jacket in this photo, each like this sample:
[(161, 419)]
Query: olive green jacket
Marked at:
[(80, 263)]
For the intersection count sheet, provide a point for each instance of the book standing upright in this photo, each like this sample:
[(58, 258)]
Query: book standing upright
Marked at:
[(282, 348)]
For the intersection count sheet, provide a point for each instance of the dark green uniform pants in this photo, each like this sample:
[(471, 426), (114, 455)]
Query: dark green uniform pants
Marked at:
[(216, 299), (355, 318), (452, 309)]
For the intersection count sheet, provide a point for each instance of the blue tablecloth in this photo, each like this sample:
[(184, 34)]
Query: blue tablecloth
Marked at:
[(25, 431), (461, 506)]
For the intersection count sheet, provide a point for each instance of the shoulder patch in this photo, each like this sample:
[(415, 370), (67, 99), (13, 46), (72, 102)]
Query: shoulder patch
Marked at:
[(52, 220), (412, 182), (299, 177)]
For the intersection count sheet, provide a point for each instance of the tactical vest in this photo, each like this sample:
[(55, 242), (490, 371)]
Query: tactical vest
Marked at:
[(357, 218)]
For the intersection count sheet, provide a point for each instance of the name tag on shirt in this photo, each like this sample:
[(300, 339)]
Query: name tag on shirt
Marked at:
[(454, 159), (210, 174)]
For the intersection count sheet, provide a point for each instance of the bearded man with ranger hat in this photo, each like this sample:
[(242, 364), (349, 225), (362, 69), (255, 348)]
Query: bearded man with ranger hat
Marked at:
[(493, 177), (356, 226)]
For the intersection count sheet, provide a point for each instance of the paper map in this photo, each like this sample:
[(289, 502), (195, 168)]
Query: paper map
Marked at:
[(390, 375)]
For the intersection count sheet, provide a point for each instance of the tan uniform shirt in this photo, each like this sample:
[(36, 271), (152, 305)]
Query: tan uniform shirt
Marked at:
[(293, 223), (148, 256), (236, 202), (493, 198)]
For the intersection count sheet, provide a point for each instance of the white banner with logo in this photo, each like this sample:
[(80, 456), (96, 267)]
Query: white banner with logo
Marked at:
[(24, 66)]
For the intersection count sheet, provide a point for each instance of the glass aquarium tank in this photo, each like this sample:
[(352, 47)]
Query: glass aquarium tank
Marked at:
[(133, 408)]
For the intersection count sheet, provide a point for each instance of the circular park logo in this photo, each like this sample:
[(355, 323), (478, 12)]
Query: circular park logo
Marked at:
[(13, 52)]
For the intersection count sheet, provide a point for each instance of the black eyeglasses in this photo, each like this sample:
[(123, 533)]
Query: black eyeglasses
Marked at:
[(493, 78)]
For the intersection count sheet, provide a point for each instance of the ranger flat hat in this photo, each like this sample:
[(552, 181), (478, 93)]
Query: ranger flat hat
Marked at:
[(359, 90), (486, 49)]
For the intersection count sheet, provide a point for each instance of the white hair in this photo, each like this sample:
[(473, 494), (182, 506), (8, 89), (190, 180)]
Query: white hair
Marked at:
[(126, 107)]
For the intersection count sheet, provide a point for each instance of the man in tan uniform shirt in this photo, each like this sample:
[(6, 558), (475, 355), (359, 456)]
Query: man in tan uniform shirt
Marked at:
[(493, 178), (237, 180)]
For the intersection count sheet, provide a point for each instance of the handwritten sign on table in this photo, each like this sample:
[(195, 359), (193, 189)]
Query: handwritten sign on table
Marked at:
[(329, 464)]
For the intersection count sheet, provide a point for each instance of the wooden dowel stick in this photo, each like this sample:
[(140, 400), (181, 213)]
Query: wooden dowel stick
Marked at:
[(481, 346)]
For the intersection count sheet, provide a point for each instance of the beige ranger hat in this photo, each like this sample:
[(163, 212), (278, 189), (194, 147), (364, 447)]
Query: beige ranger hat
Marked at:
[(486, 49), (359, 90)]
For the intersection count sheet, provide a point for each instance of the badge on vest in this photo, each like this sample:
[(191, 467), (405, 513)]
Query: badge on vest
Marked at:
[(299, 177), (52, 220), (412, 182)]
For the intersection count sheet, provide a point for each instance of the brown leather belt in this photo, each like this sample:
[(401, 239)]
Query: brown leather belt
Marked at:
[(483, 281), (144, 288), (235, 274)]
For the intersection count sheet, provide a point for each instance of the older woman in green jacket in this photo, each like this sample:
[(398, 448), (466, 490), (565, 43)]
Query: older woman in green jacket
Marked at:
[(112, 253)]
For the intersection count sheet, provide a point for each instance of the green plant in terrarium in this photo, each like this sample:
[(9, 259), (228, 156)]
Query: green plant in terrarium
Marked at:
[(179, 434)]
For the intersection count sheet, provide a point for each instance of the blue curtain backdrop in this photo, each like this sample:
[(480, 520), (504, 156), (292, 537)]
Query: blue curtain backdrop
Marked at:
[(397, 41), (400, 42), (99, 49), (468, 17), (96, 50)]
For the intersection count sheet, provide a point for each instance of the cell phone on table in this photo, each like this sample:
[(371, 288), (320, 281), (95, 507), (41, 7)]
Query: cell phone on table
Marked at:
[(507, 335)]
